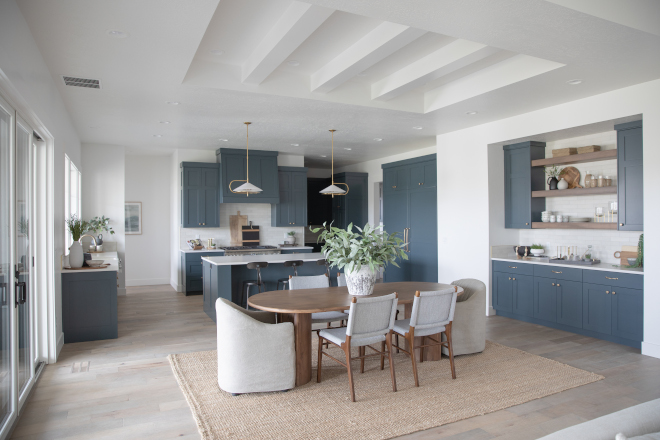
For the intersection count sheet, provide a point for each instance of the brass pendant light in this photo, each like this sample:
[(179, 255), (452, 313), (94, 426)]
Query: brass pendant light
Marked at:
[(333, 190), (247, 188)]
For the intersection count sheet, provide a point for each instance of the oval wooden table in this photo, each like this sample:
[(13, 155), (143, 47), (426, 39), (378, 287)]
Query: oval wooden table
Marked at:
[(297, 306)]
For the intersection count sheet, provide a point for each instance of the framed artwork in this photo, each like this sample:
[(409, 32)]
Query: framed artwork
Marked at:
[(133, 218)]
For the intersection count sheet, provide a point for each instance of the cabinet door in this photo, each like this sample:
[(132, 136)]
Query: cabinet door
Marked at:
[(523, 295), (191, 197), (402, 178), (280, 212), (423, 235), (395, 219), (233, 168), (628, 313), (545, 299), (298, 212), (517, 189), (630, 179), (210, 215), (389, 180), (206, 283), (597, 308), (268, 177), (503, 291), (430, 174), (569, 303), (416, 175)]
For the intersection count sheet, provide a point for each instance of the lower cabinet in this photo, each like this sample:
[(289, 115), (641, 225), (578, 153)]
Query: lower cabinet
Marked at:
[(523, 301), (616, 311), (569, 303), (191, 265), (296, 251)]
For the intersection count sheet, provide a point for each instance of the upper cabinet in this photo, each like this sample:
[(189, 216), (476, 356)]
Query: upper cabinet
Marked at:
[(520, 178), (263, 174), (413, 174), (630, 176), (352, 207), (199, 195), (292, 208)]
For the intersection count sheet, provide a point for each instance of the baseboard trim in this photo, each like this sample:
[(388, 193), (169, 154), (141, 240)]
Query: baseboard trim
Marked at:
[(121, 291), (59, 345), (147, 282), (491, 311), (175, 286), (650, 349)]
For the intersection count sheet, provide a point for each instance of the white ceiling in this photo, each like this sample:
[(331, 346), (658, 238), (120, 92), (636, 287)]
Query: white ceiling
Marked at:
[(371, 69)]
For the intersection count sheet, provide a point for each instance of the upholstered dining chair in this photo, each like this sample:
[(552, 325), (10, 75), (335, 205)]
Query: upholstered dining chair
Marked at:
[(469, 328), (255, 354), (315, 282), (432, 313), (370, 321)]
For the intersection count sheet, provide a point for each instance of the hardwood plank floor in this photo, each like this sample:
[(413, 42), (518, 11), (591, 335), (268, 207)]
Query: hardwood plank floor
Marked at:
[(129, 391)]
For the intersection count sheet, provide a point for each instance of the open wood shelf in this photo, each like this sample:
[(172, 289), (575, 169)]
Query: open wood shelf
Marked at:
[(573, 225), (576, 158), (575, 192)]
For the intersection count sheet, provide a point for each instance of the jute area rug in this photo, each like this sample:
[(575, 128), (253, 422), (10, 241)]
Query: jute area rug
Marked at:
[(498, 378)]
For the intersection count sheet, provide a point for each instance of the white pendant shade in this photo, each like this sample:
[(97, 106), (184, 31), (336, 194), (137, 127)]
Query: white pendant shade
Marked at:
[(248, 188), (333, 189)]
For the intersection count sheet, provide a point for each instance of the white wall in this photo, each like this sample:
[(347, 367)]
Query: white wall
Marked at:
[(28, 85), (103, 194), (148, 180), (464, 236)]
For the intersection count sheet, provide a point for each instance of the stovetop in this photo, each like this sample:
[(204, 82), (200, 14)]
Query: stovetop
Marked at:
[(246, 248)]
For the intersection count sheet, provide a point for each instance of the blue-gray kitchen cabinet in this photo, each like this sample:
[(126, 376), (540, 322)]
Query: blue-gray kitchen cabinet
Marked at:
[(522, 287), (520, 209), (263, 174), (503, 291), (597, 308), (352, 207), (296, 251), (292, 208), (395, 219), (630, 174), (569, 303), (545, 299), (191, 266), (199, 195)]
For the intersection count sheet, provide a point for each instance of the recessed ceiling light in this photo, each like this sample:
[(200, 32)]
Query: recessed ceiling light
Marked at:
[(117, 34), (223, 140), (323, 155), (418, 128), (349, 149), (158, 135), (172, 103), (377, 139), (361, 74), (217, 52), (293, 63), (574, 82), (164, 122), (295, 145), (471, 113)]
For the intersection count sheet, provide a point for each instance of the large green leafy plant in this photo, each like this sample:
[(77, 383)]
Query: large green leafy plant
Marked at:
[(349, 249), (100, 224), (77, 227)]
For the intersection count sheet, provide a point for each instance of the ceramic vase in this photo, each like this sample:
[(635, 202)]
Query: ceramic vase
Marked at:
[(563, 184), (76, 257), (552, 182), (361, 282)]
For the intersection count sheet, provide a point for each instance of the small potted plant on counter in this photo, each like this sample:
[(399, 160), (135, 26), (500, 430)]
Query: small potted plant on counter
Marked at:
[(77, 228), (290, 238), (98, 225), (361, 254), (537, 250)]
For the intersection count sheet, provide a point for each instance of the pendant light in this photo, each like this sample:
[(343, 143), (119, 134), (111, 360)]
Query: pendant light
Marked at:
[(333, 190), (247, 188)]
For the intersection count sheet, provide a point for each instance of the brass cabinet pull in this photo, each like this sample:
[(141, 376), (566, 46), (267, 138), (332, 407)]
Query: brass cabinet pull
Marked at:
[(558, 285), (513, 267), (393, 186), (509, 278), (554, 271), (620, 224), (607, 291), (613, 292), (553, 284), (608, 278), (527, 224), (514, 279)]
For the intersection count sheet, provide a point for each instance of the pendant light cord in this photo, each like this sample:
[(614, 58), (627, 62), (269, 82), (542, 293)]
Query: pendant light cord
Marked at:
[(247, 152), (332, 171)]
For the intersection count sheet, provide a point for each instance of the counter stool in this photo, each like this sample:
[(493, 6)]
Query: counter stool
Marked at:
[(326, 264), (285, 281), (258, 265)]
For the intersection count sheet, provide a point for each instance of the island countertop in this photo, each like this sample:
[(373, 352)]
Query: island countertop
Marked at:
[(241, 260), (110, 258)]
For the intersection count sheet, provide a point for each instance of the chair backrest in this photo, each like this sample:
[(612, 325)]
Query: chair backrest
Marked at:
[(433, 309), (311, 282), (471, 287), (341, 279), (371, 316)]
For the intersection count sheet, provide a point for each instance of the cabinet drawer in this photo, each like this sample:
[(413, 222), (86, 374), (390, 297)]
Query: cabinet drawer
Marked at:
[(194, 270), (614, 279), (558, 272), (513, 267)]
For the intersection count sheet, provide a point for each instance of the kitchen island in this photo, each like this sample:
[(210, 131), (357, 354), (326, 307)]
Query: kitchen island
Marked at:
[(223, 276)]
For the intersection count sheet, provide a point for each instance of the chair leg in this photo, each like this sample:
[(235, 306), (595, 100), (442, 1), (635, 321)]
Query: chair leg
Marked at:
[(246, 291), (397, 342), (318, 365), (362, 351), (388, 340), (382, 355), (347, 350), (421, 350), (411, 343), (450, 349)]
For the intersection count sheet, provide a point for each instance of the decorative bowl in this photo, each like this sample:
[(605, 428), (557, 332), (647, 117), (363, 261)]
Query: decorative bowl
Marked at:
[(632, 261), (94, 263)]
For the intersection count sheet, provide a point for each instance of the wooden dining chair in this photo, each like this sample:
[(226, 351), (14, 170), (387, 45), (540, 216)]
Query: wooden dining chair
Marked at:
[(370, 321), (432, 313)]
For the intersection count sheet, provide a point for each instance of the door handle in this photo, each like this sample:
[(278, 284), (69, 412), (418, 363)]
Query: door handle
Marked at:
[(554, 271), (20, 298), (608, 278), (408, 245)]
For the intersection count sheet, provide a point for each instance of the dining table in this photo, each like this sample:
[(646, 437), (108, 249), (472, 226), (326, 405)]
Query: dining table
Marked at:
[(297, 306)]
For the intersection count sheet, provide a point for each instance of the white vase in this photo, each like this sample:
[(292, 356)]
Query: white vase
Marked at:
[(361, 282), (563, 184), (76, 257)]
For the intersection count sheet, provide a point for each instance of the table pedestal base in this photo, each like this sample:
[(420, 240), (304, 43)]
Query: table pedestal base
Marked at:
[(302, 329)]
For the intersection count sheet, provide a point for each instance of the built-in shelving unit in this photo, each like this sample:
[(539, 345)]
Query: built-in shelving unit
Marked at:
[(575, 192), (576, 158), (574, 225)]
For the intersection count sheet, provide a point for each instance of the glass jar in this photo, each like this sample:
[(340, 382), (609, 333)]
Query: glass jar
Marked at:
[(601, 181), (608, 181), (594, 181), (587, 179)]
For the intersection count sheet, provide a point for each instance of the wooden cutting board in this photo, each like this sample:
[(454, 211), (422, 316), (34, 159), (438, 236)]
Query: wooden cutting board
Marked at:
[(236, 223), (572, 176)]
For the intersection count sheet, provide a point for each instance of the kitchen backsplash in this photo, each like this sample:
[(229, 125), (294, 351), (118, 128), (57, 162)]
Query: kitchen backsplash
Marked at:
[(605, 242), (257, 213)]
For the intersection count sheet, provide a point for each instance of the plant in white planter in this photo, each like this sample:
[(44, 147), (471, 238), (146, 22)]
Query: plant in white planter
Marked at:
[(360, 254), (77, 228), (537, 249)]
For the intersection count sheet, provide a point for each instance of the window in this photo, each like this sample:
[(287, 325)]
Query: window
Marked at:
[(71, 195)]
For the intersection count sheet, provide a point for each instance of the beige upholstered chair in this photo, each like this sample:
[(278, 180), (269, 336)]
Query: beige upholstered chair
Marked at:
[(315, 282), (469, 328), (254, 354), (370, 322)]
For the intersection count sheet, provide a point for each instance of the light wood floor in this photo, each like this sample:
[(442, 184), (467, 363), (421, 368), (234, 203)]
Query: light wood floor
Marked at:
[(130, 392)]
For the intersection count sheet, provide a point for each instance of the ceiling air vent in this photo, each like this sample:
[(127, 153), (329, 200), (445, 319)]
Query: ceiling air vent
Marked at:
[(81, 82)]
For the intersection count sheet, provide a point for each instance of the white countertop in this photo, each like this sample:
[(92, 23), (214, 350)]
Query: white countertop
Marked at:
[(107, 257), (601, 266), (238, 260), (192, 251)]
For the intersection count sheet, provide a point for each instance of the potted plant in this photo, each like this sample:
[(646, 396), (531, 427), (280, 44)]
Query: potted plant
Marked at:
[(290, 237), (77, 228), (553, 173), (537, 250), (360, 253), (98, 225), (639, 262)]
